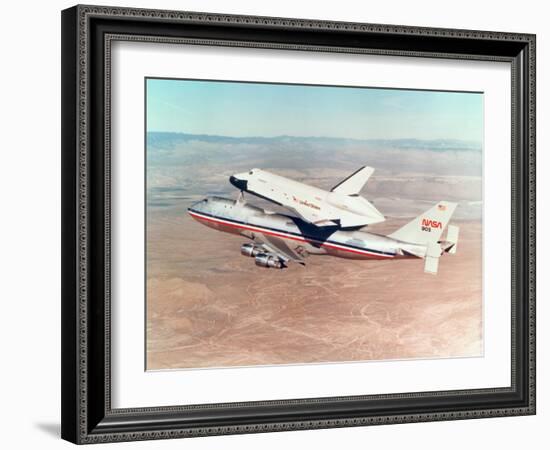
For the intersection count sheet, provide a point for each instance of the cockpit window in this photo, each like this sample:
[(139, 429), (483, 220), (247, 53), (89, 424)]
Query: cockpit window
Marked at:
[(250, 173)]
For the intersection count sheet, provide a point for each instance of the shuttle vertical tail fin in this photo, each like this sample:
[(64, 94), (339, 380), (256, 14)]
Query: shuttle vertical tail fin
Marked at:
[(353, 184)]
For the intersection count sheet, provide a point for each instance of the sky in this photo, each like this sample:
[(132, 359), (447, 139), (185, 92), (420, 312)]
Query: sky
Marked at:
[(267, 110)]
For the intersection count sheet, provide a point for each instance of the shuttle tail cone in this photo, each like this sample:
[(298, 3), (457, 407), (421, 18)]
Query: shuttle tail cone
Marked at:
[(346, 194)]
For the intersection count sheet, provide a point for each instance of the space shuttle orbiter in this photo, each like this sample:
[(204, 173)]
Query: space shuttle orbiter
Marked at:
[(341, 206)]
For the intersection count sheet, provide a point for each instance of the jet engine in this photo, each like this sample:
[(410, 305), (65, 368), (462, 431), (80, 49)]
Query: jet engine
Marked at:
[(267, 260), (251, 250)]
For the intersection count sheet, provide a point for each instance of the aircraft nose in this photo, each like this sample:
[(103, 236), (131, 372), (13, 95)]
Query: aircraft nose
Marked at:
[(238, 183), (198, 206)]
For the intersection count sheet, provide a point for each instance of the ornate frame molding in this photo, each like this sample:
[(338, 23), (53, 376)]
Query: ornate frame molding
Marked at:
[(88, 421)]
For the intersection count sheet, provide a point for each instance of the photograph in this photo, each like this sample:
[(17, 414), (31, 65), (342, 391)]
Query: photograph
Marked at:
[(311, 224)]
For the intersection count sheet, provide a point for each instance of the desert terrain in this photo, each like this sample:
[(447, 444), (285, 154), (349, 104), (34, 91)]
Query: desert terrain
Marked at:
[(208, 306)]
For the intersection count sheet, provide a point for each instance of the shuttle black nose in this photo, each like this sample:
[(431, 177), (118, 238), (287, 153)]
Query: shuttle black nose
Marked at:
[(239, 184)]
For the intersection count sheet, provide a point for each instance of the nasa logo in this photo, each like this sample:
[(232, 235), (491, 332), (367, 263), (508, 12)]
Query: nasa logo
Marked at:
[(428, 224)]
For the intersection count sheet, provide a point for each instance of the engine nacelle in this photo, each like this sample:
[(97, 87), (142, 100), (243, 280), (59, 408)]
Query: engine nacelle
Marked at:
[(269, 261), (250, 250)]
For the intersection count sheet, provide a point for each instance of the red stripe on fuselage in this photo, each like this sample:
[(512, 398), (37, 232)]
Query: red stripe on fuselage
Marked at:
[(286, 236)]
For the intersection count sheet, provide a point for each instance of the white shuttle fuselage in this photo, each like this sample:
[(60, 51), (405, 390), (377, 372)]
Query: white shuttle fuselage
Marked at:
[(342, 206)]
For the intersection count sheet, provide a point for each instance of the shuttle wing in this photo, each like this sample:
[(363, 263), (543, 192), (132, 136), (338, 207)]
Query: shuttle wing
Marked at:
[(279, 247), (328, 215), (319, 218)]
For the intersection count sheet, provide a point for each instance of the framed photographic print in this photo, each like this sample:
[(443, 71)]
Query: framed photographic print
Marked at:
[(277, 224)]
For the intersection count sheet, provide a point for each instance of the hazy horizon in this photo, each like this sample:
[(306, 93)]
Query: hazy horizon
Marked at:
[(468, 144), (269, 109)]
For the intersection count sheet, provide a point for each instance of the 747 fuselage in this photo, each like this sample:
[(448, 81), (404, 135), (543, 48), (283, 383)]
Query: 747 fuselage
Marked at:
[(301, 237)]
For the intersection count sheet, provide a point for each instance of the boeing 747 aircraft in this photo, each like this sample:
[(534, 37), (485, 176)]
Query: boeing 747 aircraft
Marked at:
[(278, 239)]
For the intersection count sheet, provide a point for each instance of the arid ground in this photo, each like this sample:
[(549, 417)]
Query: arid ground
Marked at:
[(208, 306)]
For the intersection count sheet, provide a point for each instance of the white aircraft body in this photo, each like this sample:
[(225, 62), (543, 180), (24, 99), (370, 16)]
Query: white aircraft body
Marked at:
[(342, 206), (278, 239)]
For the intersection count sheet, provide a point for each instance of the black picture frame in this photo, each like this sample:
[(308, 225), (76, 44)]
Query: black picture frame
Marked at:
[(87, 415)]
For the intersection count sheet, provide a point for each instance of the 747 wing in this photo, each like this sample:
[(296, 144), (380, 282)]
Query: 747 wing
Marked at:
[(278, 247)]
